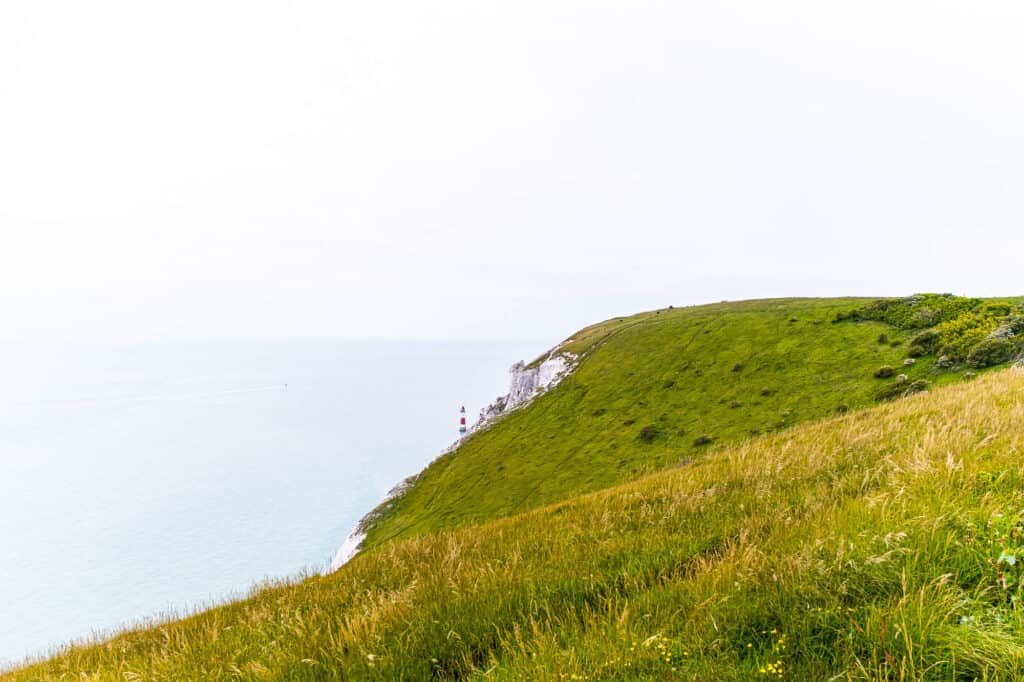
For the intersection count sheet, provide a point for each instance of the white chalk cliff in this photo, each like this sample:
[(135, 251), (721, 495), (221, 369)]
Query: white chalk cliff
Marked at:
[(525, 384)]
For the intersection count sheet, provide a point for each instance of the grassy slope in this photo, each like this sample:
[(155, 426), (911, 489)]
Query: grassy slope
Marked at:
[(862, 547), (672, 369)]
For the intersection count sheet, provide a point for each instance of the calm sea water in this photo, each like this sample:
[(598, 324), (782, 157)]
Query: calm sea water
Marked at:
[(141, 479)]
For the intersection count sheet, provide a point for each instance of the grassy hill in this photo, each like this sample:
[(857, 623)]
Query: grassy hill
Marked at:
[(882, 544), (658, 389), (826, 531)]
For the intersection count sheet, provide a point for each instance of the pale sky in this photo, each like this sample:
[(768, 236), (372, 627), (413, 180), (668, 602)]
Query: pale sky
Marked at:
[(481, 169)]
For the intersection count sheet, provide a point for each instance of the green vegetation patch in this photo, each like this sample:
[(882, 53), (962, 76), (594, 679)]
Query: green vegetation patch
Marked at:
[(982, 333), (913, 312), (653, 390)]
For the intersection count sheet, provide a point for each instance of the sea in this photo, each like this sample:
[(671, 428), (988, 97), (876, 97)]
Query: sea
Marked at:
[(147, 479)]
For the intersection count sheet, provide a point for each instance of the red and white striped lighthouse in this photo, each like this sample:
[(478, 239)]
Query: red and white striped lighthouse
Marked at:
[(462, 419)]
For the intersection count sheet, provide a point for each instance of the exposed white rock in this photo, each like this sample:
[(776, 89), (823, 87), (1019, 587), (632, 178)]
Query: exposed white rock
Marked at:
[(554, 368), (353, 543), (522, 384)]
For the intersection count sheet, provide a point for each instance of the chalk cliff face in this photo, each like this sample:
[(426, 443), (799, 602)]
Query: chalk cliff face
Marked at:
[(525, 383), (554, 368), (522, 384)]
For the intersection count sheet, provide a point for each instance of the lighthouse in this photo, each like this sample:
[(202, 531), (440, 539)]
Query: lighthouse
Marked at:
[(462, 420)]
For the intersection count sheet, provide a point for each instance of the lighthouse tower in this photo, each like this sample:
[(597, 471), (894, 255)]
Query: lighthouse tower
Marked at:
[(462, 420)]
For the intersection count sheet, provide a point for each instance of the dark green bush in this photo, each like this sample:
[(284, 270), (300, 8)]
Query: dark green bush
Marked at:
[(925, 343), (890, 392), (883, 339), (992, 352), (884, 372), (902, 388), (917, 386), (649, 433), (1015, 323)]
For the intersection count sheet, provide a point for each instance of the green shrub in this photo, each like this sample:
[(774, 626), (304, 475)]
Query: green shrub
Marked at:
[(649, 433), (912, 312), (992, 352), (884, 372), (901, 388), (925, 343), (995, 309), (1015, 323), (883, 339), (917, 386), (960, 335)]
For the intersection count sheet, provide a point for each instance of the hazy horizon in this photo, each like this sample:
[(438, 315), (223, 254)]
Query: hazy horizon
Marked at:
[(486, 170)]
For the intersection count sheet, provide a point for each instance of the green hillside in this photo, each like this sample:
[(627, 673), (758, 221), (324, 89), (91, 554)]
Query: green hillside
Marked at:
[(879, 545), (654, 388), (727, 492)]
